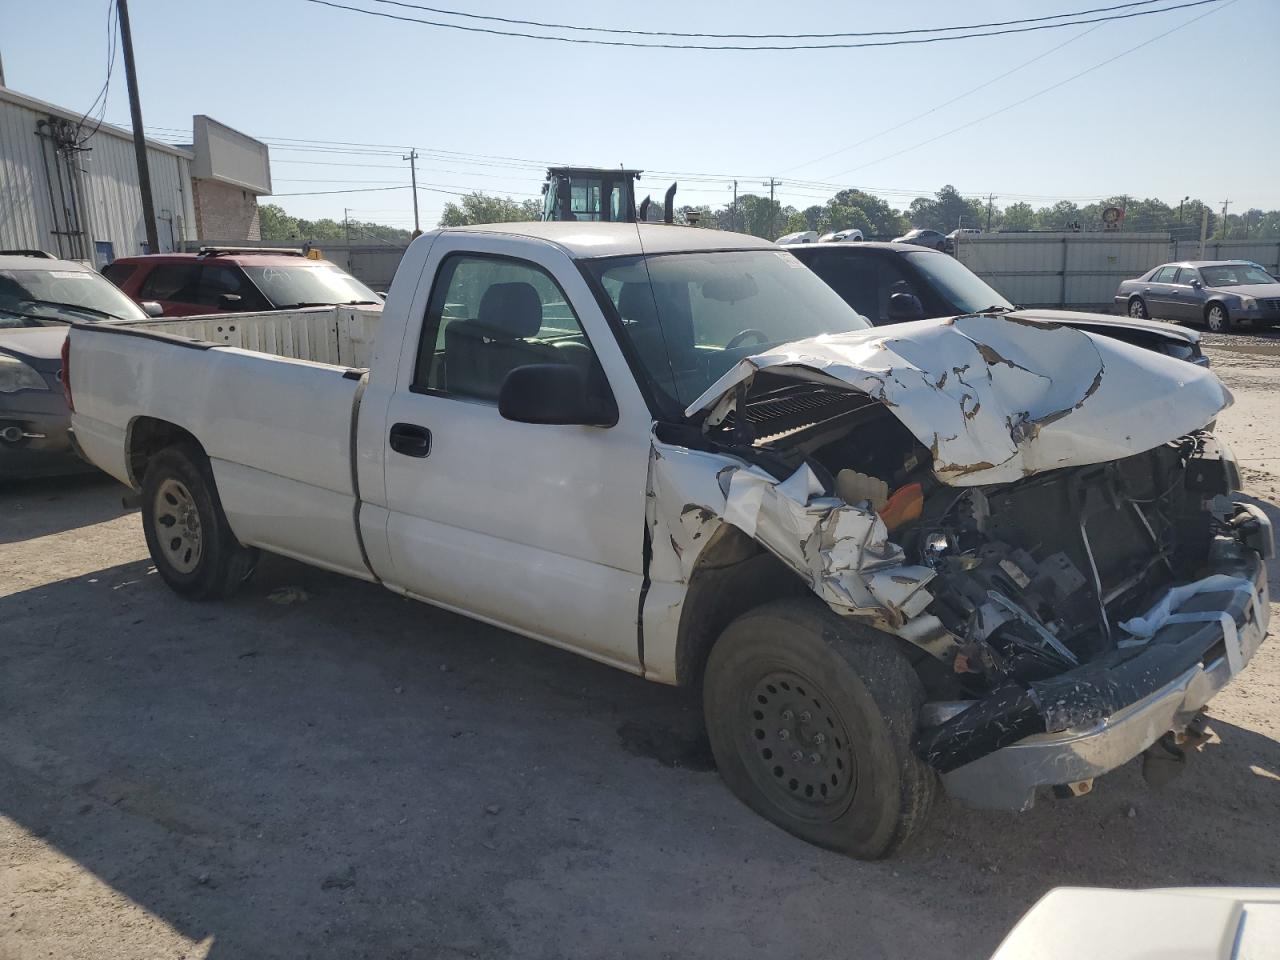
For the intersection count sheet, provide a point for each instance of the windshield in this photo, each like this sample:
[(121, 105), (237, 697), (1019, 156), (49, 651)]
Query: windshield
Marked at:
[(691, 316), (65, 295), (1235, 275), (954, 281), (309, 284)]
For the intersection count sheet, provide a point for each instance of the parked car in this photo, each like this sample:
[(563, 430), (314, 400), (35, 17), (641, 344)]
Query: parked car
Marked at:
[(39, 296), (925, 238), (800, 236), (951, 552), (841, 236), (895, 282), (956, 234), (1217, 293), (239, 279)]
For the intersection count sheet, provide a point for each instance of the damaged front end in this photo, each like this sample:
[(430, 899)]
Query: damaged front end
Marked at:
[(1039, 511)]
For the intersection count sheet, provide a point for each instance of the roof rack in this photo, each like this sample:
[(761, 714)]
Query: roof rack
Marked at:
[(39, 254), (241, 251)]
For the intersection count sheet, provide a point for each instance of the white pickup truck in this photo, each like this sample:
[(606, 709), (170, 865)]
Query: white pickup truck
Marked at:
[(997, 555)]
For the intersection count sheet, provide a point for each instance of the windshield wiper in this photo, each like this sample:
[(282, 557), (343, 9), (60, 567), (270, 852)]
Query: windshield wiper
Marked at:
[(73, 306), (995, 308)]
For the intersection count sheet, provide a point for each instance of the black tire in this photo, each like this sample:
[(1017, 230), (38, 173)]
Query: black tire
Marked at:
[(1217, 319), (832, 690), (191, 544), (1138, 308)]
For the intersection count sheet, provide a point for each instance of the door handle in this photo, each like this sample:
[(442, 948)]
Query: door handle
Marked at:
[(410, 439)]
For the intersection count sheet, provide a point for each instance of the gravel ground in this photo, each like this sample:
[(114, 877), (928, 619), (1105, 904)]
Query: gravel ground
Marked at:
[(321, 769)]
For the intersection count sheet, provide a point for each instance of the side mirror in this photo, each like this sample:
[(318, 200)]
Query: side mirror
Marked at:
[(151, 308), (553, 393), (382, 294), (905, 306), (1196, 284), (229, 301)]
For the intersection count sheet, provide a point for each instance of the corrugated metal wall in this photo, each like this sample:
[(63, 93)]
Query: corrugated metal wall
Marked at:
[(1062, 269), (110, 202), (1265, 252)]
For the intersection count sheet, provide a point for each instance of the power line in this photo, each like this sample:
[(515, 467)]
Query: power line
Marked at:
[(593, 41), (1041, 92), (755, 36), (946, 103), (100, 101)]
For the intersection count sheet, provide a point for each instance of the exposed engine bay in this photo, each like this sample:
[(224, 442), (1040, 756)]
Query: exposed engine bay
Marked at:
[(1015, 590)]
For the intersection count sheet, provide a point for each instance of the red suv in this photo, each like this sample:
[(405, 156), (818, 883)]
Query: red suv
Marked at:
[(225, 278)]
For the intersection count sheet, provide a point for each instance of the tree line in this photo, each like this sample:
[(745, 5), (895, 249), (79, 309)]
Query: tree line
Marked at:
[(945, 211)]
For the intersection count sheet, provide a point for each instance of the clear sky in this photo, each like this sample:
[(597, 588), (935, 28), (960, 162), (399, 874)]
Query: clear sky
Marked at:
[(1194, 113)]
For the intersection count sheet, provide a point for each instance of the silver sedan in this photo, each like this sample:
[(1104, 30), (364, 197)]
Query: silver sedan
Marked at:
[(1217, 293)]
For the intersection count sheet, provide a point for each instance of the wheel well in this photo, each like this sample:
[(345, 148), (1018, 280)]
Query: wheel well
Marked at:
[(734, 574), (147, 437)]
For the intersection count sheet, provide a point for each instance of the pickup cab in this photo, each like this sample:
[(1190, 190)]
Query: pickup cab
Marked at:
[(986, 555)]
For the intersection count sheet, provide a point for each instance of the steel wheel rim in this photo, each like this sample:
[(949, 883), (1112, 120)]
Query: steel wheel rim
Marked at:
[(797, 748), (178, 528)]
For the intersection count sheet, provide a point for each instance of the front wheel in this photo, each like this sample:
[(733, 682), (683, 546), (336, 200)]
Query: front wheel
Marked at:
[(810, 719), (1217, 318), (187, 533), (1138, 309)]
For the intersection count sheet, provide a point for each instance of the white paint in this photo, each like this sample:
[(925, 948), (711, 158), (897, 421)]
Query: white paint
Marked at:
[(996, 399), (1204, 923)]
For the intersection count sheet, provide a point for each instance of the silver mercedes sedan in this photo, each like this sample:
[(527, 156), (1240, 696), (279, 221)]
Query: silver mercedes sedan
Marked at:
[(1217, 293)]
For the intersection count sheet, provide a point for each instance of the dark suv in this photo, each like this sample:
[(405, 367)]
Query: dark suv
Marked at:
[(899, 282), (223, 278)]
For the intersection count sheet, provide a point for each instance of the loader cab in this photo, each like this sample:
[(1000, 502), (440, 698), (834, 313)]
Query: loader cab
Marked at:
[(594, 194)]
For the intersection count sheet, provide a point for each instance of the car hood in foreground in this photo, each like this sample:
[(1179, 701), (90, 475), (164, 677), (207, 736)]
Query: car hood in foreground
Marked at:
[(1194, 923), (996, 398), (1075, 318), (40, 347)]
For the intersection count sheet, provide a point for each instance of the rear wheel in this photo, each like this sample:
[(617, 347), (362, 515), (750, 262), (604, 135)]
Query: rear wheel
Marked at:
[(187, 533), (1138, 308), (810, 719), (1217, 318)]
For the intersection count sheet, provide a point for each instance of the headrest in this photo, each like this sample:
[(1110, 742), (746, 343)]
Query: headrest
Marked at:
[(635, 304), (511, 311)]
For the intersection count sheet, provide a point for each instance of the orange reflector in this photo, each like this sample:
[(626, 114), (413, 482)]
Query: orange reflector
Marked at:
[(905, 504)]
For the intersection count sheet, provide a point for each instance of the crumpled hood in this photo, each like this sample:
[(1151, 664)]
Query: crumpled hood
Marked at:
[(997, 398), (1074, 318)]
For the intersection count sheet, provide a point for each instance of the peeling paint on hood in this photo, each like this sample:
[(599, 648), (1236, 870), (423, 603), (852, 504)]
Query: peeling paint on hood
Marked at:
[(996, 398)]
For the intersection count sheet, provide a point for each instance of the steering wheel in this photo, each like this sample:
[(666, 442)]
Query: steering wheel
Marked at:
[(742, 335)]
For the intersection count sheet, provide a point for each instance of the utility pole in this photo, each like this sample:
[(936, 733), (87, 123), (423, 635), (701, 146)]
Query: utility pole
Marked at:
[(139, 141), (346, 222), (413, 176), (1204, 229), (1225, 204), (991, 201), (773, 215), (1181, 204), (736, 225)]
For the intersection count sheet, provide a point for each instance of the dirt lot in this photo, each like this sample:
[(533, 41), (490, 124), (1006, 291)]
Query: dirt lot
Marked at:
[(346, 774)]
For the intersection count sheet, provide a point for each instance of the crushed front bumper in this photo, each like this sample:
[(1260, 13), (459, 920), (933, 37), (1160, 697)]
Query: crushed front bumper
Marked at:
[(1008, 778)]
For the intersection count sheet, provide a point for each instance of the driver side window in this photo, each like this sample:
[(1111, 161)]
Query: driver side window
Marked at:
[(489, 315)]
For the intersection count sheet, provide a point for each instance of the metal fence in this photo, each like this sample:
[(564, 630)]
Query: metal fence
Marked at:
[(1083, 270)]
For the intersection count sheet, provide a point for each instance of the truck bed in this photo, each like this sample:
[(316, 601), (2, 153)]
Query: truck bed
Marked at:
[(341, 336), (266, 400)]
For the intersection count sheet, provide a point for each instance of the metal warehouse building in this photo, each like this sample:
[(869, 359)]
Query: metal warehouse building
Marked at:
[(70, 185)]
